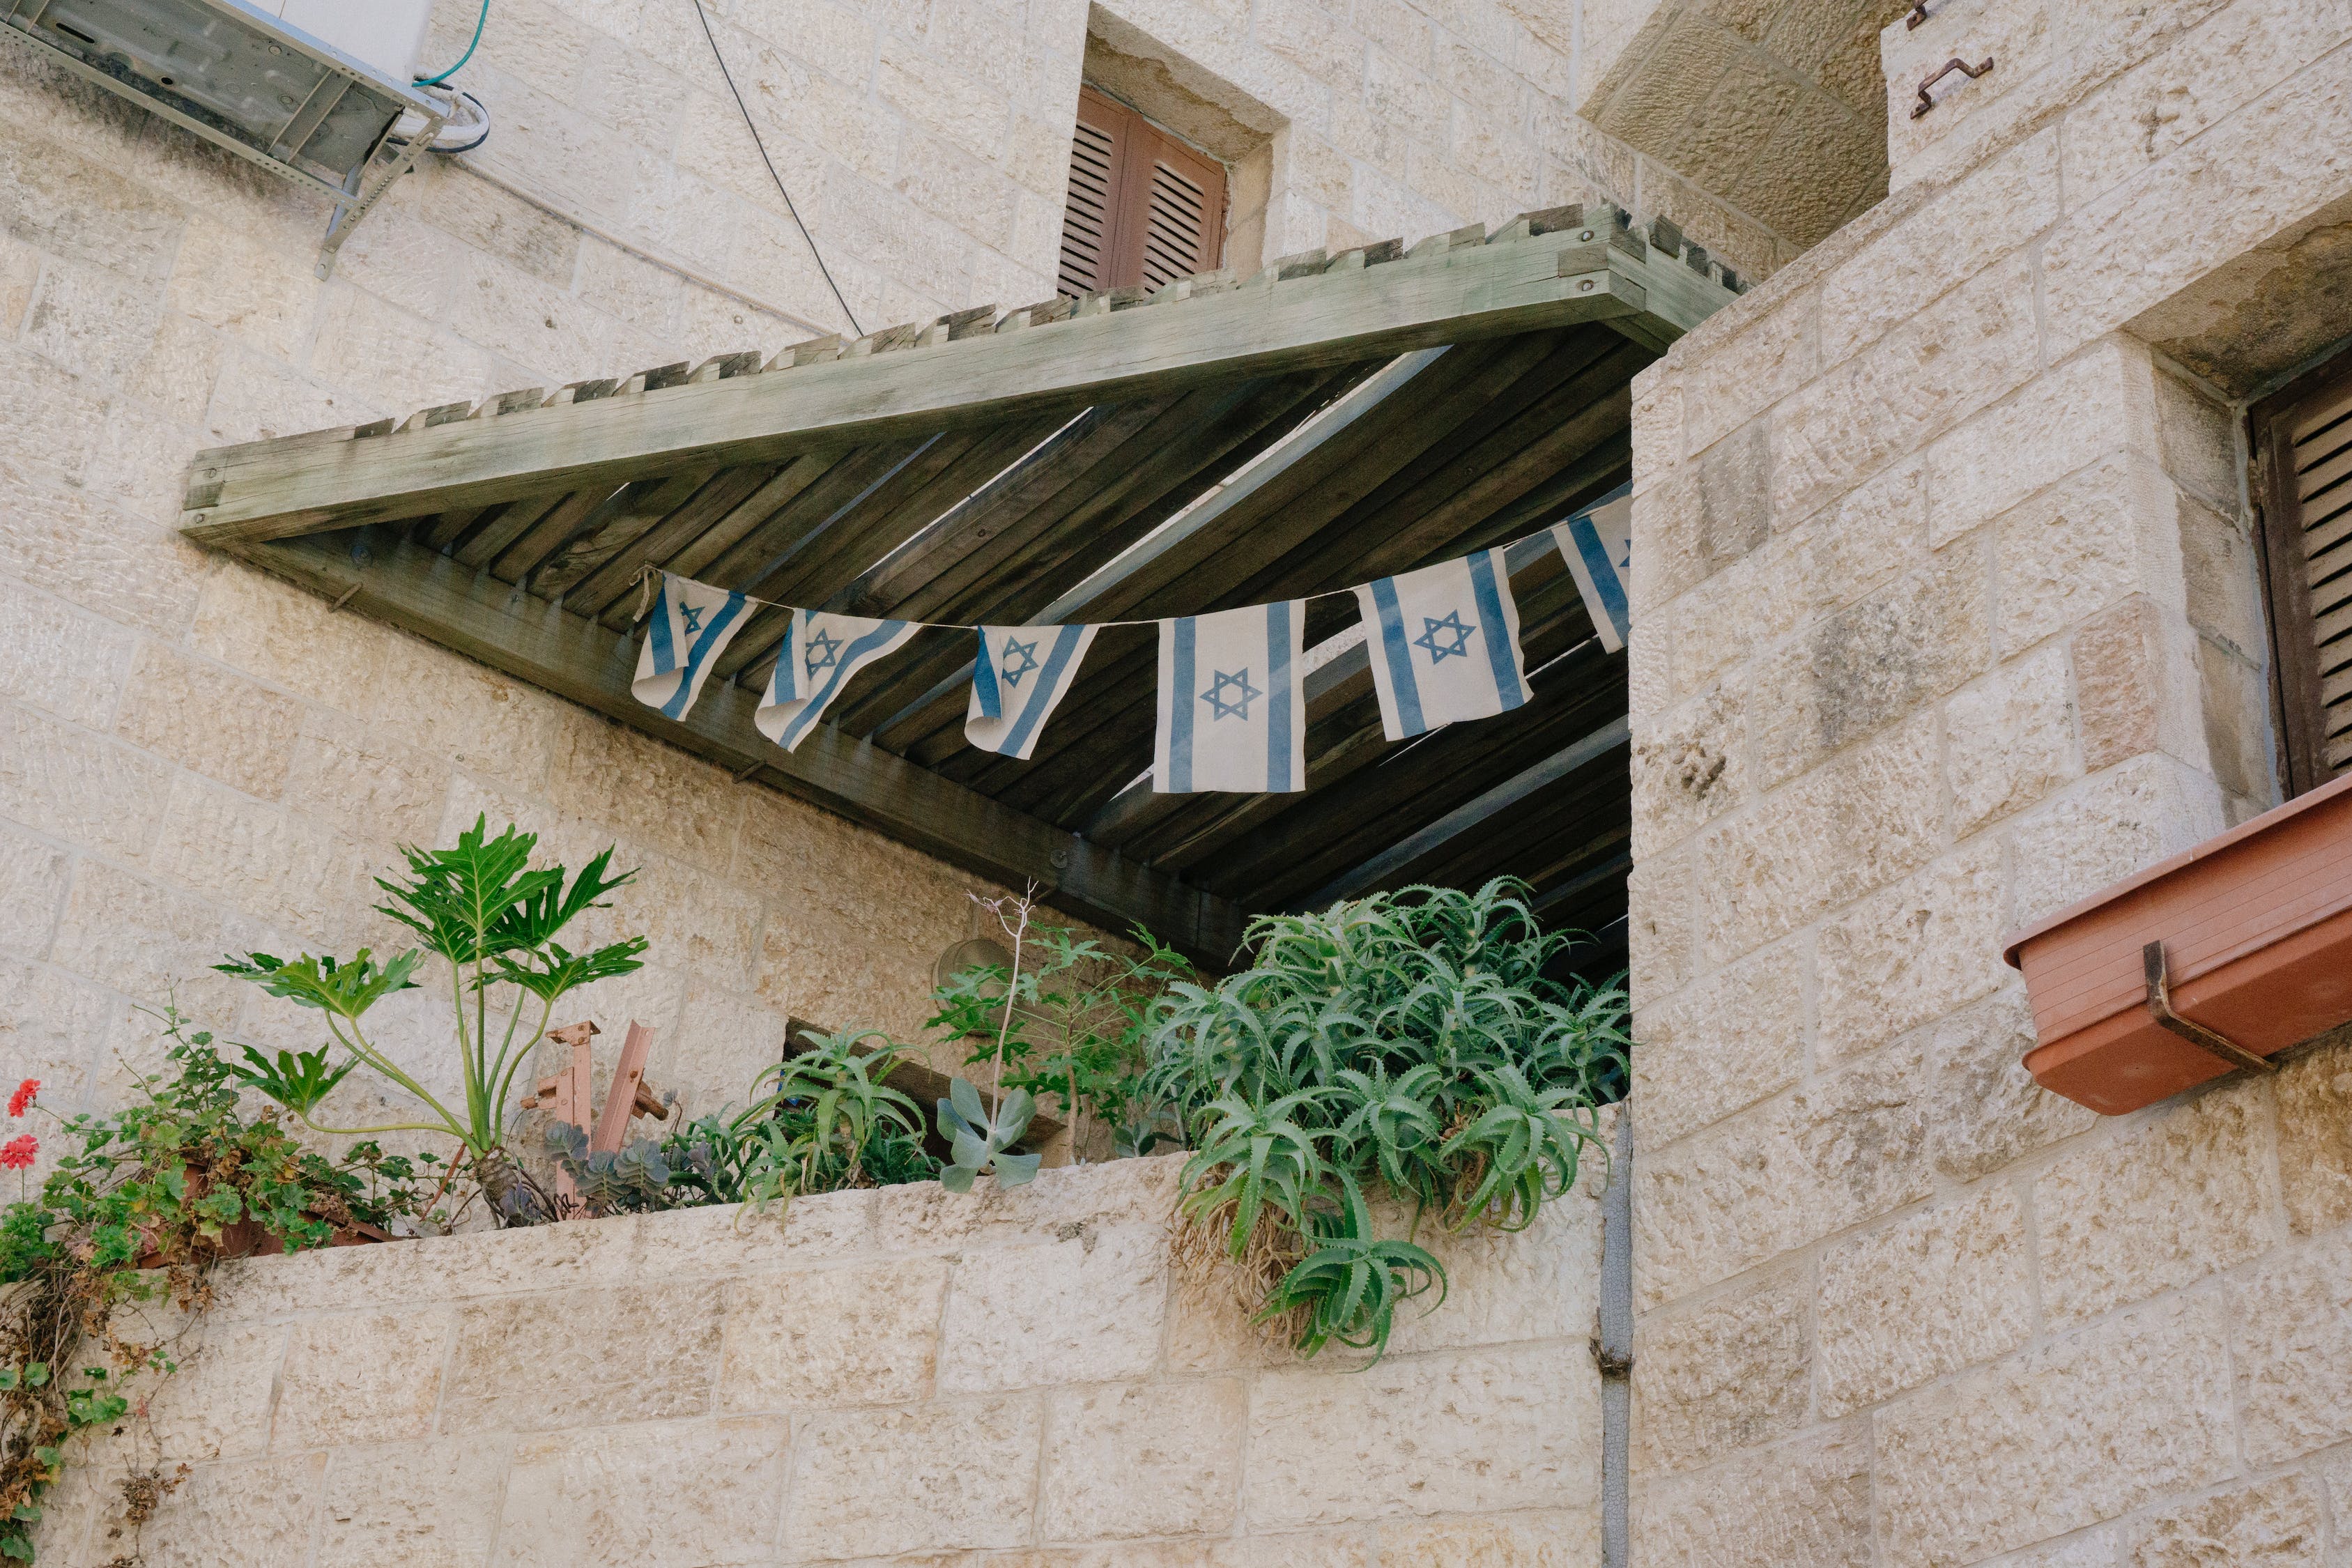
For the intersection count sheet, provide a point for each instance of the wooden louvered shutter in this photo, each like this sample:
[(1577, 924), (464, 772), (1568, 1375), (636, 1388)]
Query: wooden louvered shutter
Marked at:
[(2303, 439), (1144, 208)]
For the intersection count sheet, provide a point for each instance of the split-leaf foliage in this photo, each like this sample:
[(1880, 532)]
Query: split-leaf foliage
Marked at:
[(1405, 1044)]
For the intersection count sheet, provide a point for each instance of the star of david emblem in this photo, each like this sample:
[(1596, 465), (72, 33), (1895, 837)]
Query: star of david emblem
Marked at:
[(823, 651), (1026, 652), (1220, 707), (692, 615), (1435, 633)]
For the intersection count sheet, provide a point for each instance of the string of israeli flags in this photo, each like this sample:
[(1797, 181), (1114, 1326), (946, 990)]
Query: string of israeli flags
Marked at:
[(1444, 648)]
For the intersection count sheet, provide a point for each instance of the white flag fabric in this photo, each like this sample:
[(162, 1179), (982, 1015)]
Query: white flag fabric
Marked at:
[(1598, 546), (1233, 714), (820, 652), (1445, 644), (1019, 676), (690, 626)]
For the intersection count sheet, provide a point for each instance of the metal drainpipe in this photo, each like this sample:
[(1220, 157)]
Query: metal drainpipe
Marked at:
[(1613, 1346)]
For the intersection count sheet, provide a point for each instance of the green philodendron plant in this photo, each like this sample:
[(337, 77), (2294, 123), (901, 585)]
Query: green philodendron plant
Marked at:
[(1406, 1042), (482, 909)]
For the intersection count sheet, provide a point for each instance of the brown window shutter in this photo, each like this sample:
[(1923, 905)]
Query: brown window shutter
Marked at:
[(2303, 442), (1143, 206)]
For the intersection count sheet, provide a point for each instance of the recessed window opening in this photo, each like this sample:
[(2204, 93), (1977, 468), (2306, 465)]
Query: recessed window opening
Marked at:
[(1145, 207)]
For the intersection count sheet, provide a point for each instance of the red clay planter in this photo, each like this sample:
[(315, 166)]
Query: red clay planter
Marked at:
[(2255, 929)]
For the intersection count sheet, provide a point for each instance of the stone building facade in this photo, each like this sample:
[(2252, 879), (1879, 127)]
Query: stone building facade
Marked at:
[(1945, 615)]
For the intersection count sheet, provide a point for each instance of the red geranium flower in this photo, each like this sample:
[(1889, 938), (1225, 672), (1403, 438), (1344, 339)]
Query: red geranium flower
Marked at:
[(17, 1154), (22, 1099)]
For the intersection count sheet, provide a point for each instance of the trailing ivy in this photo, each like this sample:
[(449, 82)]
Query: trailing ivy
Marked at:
[(1405, 1043)]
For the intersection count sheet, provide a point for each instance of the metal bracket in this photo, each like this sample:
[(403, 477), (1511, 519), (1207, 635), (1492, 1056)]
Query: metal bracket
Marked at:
[(2159, 1006), (1918, 14), (1939, 73)]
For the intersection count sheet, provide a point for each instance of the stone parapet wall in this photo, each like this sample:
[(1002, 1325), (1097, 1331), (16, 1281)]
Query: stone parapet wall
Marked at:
[(901, 1375), (1945, 617)]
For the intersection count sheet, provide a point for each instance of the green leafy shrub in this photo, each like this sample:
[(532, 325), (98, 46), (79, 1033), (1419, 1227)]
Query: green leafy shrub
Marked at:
[(1404, 1043), (494, 921), (1066, 1021), (139, 1207)]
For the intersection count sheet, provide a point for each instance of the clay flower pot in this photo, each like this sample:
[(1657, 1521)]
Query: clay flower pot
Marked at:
[(2255, 929)]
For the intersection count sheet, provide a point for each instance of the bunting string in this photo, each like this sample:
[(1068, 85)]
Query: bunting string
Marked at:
[(1444, 647)]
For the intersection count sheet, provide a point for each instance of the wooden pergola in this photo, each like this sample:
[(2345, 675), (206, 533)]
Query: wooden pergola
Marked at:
[(1118, 457)]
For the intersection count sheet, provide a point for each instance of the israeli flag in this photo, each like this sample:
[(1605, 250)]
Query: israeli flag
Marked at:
[(1598, 546), (1233, 714), (1021, 673), (1445, 644), (690, 626), (820, 652)]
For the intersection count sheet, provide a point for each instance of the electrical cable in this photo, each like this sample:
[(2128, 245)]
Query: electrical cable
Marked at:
[(744, 110), (453, 70)]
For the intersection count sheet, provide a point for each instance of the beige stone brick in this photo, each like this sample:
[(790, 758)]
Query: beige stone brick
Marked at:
[(256, 399), (927, 1478), (360, 1378), (2072, 1433), (217, 1405), (1968, 225), (69, 665), (1853, 672), (256, 293), (208, 719), (2104, 829), (1083, 1311), (2315, 1139), (1925, 1297), (1805, 1502), (68, 783), (1721, 1044), (2166, 1204), (84, 211), (2222, 579), (177, 373), (1473, 1432), (1912, 954), (2118, 672), (2098, 405), (485, 217), (1552, 1538), (345, 772), (423, 1505), (1702, 518), (1820, 841), (96, 323), (1826, 1155), (261, 858), (1660, 924), (1728, 1376), (2010, 739), (496, 1381), (1983, 1108), (2292, 1340), (1508, 1287), (1142, 1458), (33, 880), (2273, 1525), (1660, 422), (1689, 767), (645, 788), (832, 1337), (704, 1492), (259, 1514), (1773, 355), (452, 708), (1949, 361), (20, 269), (2269, 162), (50, 420)]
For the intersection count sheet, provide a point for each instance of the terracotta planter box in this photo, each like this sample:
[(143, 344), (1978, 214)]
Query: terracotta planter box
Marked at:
[(2256, 928)]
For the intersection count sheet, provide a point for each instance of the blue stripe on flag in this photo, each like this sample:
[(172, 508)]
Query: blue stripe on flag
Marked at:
[(1498, 631), (841, 671), (983, 680), (1180, 711), (710, 637), (1278, 687), (1603, 571), (665, 655), (1398, 653), (1041, 696)]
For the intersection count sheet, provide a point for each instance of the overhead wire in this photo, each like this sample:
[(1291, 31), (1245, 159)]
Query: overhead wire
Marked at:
[(453, 70), (757, 141)]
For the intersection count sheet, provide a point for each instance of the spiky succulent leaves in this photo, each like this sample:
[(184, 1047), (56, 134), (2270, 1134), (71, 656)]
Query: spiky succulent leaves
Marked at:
[(346, 990), (826, 1121), (980, 1144), (1253, 1156), (1526, 1144), (548, 973), (1348, 1288), (297, 1080)]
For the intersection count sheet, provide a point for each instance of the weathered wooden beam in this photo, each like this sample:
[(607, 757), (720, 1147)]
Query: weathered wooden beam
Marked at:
[(272, 489), (1469, 816), (468, 610)]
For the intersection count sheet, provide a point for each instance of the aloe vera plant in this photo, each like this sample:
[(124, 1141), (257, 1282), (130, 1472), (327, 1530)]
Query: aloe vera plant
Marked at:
[(494, 921), (1407, 1043)]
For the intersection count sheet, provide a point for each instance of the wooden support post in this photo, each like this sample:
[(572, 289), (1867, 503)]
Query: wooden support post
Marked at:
[(621, 1101)]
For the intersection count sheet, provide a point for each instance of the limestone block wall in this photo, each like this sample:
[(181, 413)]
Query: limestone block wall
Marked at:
[(1945, 617), (900, 1376)]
